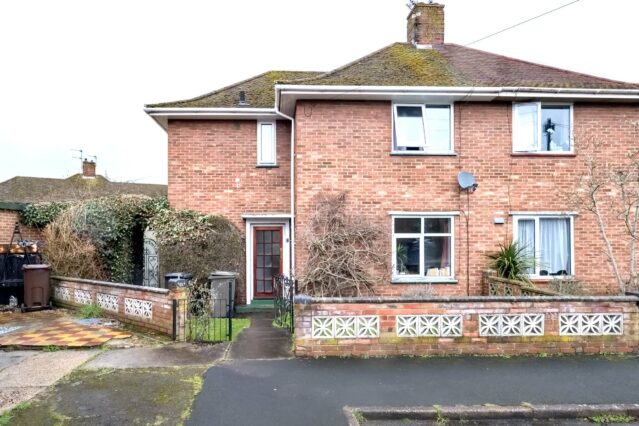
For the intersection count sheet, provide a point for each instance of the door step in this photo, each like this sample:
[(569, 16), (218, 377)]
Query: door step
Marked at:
[(255, 306)]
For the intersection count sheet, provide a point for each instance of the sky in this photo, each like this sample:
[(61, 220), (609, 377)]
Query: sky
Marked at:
[(76, 74)]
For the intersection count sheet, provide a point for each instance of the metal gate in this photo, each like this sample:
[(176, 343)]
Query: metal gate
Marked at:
[(284, 289), (151, 260), (205, 316)]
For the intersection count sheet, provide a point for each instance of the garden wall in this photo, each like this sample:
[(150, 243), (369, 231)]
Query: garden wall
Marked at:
[(372, 326), (143, 307)]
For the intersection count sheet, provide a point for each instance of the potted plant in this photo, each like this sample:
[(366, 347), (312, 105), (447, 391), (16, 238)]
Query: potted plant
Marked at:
[(513, 262)]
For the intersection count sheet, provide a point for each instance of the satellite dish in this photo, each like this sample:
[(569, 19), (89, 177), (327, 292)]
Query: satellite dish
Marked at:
[(466, 180)]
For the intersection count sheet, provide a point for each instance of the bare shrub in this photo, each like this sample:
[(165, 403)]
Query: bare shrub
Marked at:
[(70, 254), (567, 285), (346, 255)]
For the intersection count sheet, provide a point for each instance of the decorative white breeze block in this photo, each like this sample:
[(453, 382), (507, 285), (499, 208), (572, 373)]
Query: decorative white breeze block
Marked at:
[(429, 325), (345, 327), (108, 302), (501, 325), (138, 308), (82, 297), (62, 293), (590, 324)]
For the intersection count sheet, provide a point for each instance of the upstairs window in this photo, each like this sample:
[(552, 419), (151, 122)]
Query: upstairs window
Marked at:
[(422, 129), (423, 248), (266, 144), (542, 128)]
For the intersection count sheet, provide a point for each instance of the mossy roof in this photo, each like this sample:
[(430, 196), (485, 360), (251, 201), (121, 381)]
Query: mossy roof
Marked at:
[(259, 92), (402, 64), (29, 190)]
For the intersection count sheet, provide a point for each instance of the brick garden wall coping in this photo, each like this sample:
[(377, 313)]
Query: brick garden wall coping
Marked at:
[(305, 299), (111, 284)]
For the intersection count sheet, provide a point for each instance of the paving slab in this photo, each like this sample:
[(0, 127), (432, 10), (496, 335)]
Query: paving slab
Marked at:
[(29, 375), (171, 355)]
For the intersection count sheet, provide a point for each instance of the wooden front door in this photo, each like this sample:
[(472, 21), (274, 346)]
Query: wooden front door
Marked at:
[(267, 259)]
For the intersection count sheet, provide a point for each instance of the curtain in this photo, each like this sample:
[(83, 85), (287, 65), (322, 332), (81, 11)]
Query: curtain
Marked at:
[(526, 238), (555, 245)]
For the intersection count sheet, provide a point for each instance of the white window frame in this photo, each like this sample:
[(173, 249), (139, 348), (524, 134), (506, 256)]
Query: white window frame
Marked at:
[(536, 217), (539, 151), (422, 277), (259, 143), (425, 150)]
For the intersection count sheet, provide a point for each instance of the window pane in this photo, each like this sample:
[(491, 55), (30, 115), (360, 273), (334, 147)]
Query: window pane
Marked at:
[(408, 225), (526, 238), (409, 127), (555, 128), (555, 246), (436, 225), (407, 255), (267, 144), (437, 256), (526, 127), (438, 128)]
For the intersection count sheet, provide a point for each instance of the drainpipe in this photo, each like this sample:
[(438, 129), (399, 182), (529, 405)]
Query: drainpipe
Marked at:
[(292, 231)]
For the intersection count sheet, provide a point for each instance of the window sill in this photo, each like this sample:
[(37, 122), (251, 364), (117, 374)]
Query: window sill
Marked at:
[(544, 154), (423, 154), (548, 278), (422, 280), (267, 166)]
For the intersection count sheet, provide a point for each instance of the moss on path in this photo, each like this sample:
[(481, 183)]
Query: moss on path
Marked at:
[(113, 397)]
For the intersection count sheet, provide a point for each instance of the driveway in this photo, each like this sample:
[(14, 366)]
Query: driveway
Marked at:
[(313, 391)]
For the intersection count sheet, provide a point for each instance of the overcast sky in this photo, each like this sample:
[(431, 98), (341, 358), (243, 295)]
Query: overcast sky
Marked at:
[(76, 74)]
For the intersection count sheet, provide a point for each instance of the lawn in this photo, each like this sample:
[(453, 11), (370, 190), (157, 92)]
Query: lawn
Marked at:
[(216, 330)]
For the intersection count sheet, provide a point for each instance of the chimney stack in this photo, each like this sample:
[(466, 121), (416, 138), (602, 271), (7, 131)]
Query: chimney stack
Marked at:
[(425, 26), (88, 168)]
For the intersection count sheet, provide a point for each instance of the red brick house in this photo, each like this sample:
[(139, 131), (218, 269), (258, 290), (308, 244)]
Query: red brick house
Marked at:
[(394, 129)]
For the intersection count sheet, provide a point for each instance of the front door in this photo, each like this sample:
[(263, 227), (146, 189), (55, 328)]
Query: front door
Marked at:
[(267, 259)]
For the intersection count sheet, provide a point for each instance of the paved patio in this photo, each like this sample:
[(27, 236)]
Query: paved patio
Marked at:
[(53, 328)]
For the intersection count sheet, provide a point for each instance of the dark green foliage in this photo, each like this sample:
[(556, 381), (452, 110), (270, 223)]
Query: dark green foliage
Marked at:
[(512, 262), (109, 225), (197, 243), (41, 214)]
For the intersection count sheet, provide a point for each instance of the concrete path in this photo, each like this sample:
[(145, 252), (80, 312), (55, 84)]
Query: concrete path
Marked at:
[(313, 391), (175, 355), (261, 340), (24, 374)]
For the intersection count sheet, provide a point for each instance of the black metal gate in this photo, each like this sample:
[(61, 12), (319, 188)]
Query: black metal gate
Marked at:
[(206, 315), (284, 289)]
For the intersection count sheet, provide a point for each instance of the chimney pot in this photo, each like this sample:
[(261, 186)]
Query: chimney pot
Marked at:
[(88, 168), (425, 25)]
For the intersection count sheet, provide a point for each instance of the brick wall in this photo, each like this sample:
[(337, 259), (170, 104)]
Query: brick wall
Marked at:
[(345, 146), (8, 219), (392, 334), (146, 308), (212, 169)]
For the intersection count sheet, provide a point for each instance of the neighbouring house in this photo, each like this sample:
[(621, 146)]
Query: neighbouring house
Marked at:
[(20, 191), (393, 130)]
